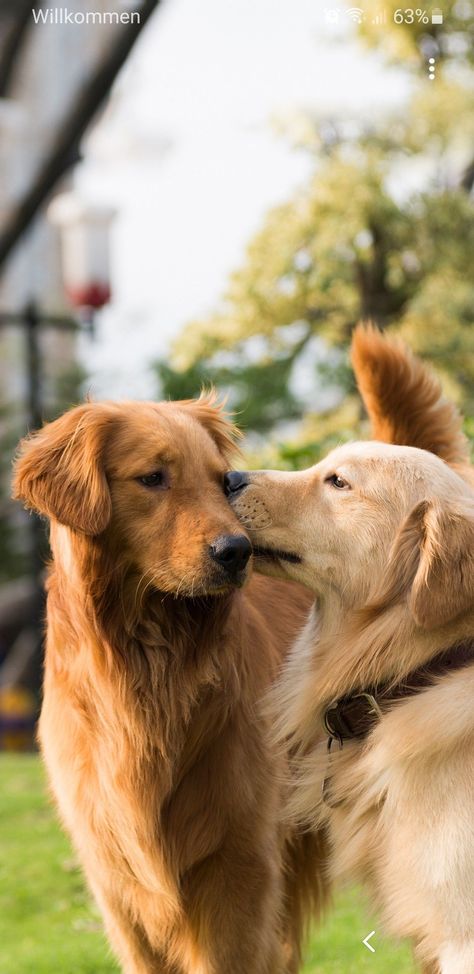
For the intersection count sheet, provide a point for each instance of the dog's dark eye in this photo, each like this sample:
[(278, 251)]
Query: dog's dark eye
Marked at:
[(337, 482), (155, 479)]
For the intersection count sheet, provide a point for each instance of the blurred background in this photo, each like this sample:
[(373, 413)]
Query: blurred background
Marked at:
[(213, 193)]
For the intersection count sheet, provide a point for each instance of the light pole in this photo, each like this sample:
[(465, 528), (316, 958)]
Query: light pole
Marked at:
[(84, 231), (85, 259)]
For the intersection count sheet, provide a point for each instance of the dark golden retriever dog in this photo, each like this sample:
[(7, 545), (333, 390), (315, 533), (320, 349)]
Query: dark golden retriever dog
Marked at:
[(155, 665), (383, 534)]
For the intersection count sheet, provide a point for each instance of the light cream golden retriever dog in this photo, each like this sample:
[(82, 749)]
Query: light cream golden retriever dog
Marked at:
[(377, 698)]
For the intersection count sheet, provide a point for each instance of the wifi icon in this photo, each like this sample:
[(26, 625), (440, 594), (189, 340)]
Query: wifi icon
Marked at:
[(356, 14)]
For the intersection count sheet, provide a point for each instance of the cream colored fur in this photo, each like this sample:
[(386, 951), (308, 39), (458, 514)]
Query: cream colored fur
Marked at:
[(388, 551)]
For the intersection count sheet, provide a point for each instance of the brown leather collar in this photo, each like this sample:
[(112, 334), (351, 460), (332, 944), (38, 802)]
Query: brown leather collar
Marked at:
[(352, 717)]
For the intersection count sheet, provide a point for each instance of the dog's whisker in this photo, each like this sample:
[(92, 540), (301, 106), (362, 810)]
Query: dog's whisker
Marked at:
[(256, 524)]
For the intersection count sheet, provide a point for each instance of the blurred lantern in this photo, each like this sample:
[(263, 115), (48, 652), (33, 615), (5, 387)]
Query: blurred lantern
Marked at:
[(85, 249)]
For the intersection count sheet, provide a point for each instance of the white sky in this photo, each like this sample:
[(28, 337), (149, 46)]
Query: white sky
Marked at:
[(187, 155)]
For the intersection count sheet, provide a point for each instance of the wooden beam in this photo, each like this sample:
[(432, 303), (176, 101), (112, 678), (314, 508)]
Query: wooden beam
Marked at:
[(65, 150), (21, 17)]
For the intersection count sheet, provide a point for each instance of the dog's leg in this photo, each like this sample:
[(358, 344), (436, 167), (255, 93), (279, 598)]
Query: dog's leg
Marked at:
[(128, 940), (233, 902), (457, 958)]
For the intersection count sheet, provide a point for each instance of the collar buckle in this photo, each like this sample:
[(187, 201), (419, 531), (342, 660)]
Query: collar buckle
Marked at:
[(351, 717)]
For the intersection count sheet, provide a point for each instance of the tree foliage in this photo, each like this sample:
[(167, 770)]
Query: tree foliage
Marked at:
[(383, 230), (412, 41)]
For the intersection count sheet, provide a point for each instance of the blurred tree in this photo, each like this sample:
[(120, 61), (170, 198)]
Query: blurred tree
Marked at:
[(408, 39), (384, 229)]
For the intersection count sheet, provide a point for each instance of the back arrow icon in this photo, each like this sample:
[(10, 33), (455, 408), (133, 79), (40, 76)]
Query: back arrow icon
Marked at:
[(366, 942)]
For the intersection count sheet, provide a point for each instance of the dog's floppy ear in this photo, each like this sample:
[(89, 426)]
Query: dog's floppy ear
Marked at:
[(431, 564), (443, 587), (58, 471)]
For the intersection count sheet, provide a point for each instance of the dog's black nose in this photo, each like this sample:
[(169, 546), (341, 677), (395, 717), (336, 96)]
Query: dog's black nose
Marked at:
[(232, 551), (234, 481)]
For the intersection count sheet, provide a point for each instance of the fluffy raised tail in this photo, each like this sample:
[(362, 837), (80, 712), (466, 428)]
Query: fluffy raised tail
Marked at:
[(403, 397)]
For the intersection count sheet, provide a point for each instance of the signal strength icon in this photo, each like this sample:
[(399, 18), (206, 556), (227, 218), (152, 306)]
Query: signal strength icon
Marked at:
[(356, 14), (380, 18)]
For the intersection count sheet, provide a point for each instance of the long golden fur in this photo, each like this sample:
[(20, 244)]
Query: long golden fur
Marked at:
[(155, 664), (384, 536), (403, 398)]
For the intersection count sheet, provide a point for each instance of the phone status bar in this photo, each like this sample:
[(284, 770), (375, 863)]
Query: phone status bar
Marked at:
[(403, 15)]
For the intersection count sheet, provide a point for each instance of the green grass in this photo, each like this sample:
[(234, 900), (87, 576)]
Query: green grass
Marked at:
[(48, 924)]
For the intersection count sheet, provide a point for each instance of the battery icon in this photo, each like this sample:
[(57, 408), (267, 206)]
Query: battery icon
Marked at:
[(437, 16)]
